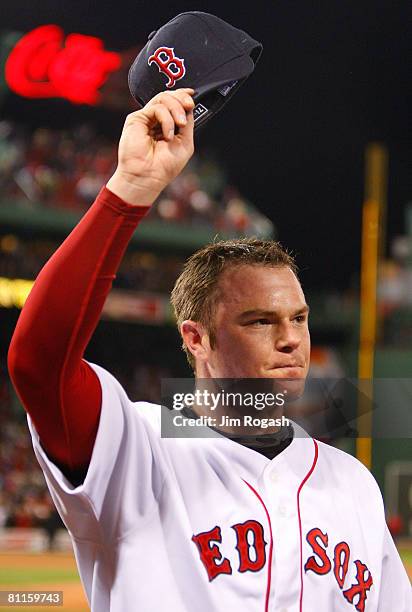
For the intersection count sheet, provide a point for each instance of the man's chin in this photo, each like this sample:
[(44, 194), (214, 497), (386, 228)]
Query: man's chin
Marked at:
[(293, 388)]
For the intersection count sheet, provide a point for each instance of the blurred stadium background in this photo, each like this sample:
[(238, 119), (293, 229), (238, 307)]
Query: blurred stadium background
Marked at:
[(285, 159)]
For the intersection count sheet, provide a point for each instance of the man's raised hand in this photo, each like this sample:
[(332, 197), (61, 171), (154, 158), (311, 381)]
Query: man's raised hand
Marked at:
[(150, 153)]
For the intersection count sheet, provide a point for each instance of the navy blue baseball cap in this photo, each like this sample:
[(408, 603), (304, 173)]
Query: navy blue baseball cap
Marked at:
[(196, 50)]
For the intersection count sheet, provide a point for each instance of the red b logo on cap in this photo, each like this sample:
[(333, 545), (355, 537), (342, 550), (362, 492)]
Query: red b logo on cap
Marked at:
[(173, 67)]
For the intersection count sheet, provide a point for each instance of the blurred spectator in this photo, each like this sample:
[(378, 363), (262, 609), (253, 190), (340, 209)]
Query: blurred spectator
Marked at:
[(66, 169)]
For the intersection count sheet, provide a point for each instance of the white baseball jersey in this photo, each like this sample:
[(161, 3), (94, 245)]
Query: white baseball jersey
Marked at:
[(205, 525)]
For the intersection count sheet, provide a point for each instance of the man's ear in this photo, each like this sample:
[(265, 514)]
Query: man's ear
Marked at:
[(196, 338)]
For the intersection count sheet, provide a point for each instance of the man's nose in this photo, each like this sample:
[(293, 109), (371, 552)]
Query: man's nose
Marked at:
[(287, 337)]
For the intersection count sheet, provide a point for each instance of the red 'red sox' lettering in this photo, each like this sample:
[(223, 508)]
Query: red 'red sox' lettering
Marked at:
[(320, 552), (357, 592), (341, 562), (361, 587), (252, 558), (249, 537), (242, 531), (210, 554)]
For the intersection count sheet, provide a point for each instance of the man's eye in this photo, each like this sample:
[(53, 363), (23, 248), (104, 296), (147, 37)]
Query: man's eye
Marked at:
[(300, 318), (260, 322)]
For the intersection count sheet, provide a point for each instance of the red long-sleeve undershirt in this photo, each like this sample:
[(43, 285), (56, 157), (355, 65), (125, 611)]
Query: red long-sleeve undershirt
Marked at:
[(58, 389)]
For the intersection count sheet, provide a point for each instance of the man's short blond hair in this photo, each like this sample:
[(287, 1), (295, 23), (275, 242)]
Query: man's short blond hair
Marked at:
[(196, 291)]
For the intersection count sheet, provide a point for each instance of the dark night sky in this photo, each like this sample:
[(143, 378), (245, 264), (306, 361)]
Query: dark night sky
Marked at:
[(333, 76)]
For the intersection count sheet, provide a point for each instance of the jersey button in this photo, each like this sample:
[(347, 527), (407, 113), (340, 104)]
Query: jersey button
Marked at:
[(274, 477)]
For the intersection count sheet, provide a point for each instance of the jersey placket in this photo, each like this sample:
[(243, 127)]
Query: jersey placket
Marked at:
[(280, 488)]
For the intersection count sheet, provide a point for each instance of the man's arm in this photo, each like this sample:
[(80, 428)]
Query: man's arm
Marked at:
[(60, 391)]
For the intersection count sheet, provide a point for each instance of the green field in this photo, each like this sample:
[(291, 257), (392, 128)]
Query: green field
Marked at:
[(16, 576), (57, 571), (46, 571)]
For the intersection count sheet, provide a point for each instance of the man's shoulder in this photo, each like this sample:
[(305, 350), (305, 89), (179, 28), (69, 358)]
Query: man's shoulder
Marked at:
[(348, 466), (148, 411), (114, 391), (332, 453)]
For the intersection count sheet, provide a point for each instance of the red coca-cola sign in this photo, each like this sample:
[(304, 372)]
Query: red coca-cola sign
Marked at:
[(46, 64)]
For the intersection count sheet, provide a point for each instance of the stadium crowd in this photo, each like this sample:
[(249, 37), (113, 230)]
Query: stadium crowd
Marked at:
[(24, 501), (66, 169)]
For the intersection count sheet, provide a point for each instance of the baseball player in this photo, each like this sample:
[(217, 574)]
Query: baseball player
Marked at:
[(192, 525)]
